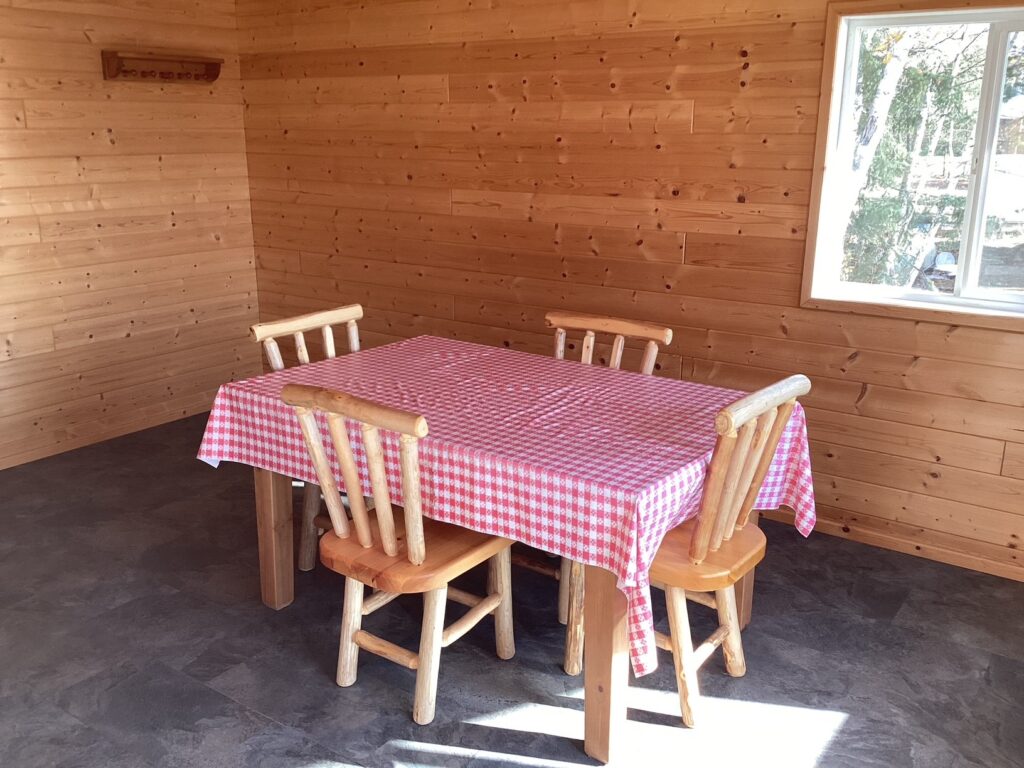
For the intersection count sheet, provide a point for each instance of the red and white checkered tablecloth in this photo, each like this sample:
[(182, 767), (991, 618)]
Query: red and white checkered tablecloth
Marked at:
[(577, 460)]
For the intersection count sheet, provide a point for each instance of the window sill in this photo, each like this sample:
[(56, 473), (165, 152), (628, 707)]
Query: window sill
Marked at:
[(907, 309)]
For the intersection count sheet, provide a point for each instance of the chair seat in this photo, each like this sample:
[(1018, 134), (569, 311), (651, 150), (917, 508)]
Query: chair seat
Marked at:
[(721, 569), (451, 551)]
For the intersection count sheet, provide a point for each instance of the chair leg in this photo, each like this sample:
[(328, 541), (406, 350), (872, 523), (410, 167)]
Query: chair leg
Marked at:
[(732, 646), (351, 620), (563, 590), (682, 654), (573, 663), (307, 530), (499, 581), (430, 655)]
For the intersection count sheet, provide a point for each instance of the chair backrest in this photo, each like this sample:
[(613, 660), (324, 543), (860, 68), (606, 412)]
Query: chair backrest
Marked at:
[(371, 418), (748, 434), (297, 327), (620, 329)]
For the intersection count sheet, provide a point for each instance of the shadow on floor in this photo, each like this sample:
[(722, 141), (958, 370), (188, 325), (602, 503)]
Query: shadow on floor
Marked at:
[(132, 634)]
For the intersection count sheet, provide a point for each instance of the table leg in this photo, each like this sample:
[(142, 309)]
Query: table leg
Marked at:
[(605, 664), (274, 532)]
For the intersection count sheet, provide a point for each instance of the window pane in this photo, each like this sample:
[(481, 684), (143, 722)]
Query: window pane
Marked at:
[(1002, 254), (905, 144)]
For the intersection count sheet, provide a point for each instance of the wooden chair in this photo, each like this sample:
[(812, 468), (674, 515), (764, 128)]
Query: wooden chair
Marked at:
[(713, 551), (591, 325), (297, 327), (389, 552), (570, 574)]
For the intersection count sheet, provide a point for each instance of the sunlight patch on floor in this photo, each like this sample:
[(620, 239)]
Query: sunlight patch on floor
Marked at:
[(729, 731)]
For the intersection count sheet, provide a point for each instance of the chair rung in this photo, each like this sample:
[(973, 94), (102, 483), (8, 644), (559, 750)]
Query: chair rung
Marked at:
[(387, 649), (704, 598), (463, 598), (530, 564), (377, 600), (703, 651), (323, 522), (471, 618)]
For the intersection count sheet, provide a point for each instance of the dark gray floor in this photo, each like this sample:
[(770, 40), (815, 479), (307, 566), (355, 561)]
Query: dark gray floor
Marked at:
[(131, 634)]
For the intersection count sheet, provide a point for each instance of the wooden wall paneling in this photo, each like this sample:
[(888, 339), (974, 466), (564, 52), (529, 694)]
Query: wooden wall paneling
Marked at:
[(115, 413), (105, 248), (101, 353), (92, 197), (105, 379), (516, 174), (67, 113), (1013, 460), (970, 521), (113, 424), (123, 275), (17, 230), (692, 44), (577, 273), (454, 21), (953, 414), (1000, 559), (217, 14), (127, 271), (63, 313), (583, 116), (680, 81), (461, 169), (942, 447), (777, 159), (953, 483), (16, 143), (277, 222), (765, 220), (989, 383), (386, 298), (28, 23), (12, 113), (127, 169)]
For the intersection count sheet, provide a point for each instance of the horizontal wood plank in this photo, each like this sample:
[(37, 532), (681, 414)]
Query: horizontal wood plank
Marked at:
[(1013, 460), (128, 281)]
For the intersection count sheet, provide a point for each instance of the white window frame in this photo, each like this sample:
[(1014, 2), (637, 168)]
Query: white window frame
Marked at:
[(821, 285)]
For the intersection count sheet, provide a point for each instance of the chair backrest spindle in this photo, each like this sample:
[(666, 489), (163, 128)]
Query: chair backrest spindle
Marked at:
[(618, 345), (350, 475), (619, 329), (559, 344), (297, 327), (329, 350), (273, 354), (379, 485), (650, 358), (414, 541), (749, 431), (353, 332), (300, 347), (371, 418), (587, 353), (328, 486), (724, 522)]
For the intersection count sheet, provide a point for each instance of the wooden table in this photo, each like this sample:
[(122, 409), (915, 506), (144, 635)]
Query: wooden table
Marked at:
[(564, 486)]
